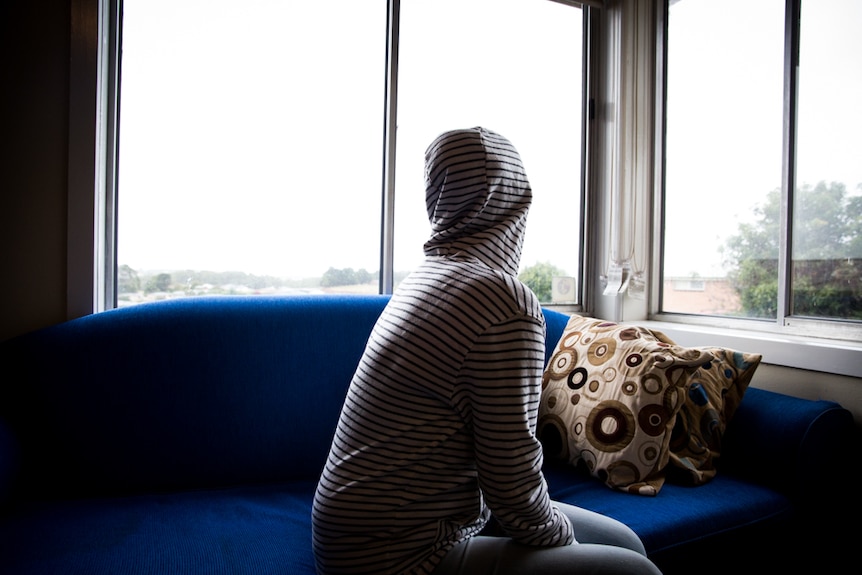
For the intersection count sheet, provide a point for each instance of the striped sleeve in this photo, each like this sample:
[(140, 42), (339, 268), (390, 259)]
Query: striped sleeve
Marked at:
[(499, 390)]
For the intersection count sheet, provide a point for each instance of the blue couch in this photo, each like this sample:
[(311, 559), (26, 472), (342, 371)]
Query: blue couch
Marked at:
[(187, 436)]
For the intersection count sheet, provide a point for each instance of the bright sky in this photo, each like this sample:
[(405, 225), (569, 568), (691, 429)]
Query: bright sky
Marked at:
[(251, 140), (725, 123), (227, 160)]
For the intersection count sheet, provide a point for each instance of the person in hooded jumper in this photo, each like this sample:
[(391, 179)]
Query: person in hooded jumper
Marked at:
[(434, 465)]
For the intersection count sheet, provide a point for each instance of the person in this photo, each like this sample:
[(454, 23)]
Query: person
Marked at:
[(434, 466)]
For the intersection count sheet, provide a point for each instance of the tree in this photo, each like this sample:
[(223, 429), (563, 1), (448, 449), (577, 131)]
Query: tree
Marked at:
[(826, 253), (363, 276), (127, 280), (345, 277), (159, 283), (539, 277)]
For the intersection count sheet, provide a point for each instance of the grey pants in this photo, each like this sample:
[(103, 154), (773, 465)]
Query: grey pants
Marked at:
[(604, 546)]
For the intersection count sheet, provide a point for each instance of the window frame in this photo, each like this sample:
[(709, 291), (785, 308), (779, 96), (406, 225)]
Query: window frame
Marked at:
[(92, 203), (832, 346), (96, 31), (92, 159)]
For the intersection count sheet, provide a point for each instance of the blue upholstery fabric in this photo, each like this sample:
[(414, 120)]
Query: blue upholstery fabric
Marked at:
[(187, 393), (675, 516), (187, 436), (555, 324), (789, 443), (253, 530)]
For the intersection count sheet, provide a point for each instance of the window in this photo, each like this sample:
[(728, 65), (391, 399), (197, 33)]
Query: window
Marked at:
[(826, 248), (250, 147), (521, 76), (252, 137), (762, 183)]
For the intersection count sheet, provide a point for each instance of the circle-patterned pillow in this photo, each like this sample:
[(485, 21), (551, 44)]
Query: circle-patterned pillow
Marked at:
[(610, 396), (714, 392)]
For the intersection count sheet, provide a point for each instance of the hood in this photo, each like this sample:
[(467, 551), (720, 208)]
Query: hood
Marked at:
[(477, 196)]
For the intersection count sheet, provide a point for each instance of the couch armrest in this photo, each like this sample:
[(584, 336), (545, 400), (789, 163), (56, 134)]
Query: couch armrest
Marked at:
[(792, 444)]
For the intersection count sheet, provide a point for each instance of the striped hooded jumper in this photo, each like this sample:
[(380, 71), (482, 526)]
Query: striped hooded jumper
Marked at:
[(437, 430)]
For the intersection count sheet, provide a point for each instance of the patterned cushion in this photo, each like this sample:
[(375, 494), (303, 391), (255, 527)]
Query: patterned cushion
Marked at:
[(714, 393), (610, 396)]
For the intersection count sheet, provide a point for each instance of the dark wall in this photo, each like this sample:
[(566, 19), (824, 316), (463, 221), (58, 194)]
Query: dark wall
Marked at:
[(34, 103)]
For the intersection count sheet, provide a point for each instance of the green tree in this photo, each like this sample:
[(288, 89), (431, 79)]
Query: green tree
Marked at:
[(345, 277), (363, 276), (338, 277), (159, 282), (539, 278), (127, 280), (826, 253)]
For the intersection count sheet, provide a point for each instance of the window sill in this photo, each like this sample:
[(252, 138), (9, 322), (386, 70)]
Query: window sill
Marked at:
[(809, 353)]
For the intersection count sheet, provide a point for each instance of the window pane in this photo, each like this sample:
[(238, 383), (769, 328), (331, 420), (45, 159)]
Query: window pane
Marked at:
[(827, 216), (723, 157), (250, 146), (512, 66)]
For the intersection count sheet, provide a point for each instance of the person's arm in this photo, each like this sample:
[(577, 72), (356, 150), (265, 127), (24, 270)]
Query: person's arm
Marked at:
[(500, 383)]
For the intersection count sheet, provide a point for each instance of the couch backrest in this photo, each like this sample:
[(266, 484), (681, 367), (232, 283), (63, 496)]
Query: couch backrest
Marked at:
[(183, 393), (186, 393)]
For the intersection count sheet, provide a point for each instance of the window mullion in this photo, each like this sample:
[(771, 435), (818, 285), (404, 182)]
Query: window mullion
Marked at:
[(390, 115), (788, 176)]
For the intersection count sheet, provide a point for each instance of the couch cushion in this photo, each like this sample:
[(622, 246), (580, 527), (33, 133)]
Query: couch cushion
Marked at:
[(257, 530), (678, 514)]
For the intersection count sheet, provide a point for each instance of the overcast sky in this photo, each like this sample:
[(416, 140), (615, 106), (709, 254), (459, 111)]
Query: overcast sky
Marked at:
[(217, 135)]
